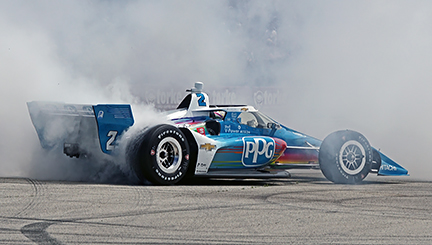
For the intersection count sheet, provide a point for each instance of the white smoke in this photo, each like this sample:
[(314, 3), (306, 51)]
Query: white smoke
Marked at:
[(358, 64)]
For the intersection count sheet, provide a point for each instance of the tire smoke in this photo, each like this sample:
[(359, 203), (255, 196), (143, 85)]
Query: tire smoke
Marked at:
[(333, 65)]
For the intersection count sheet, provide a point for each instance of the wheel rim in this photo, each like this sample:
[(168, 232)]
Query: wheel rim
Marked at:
[(169, 155), (352, 157)]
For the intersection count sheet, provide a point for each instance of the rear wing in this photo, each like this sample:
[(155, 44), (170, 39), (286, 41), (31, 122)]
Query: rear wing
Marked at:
[(80, 129)]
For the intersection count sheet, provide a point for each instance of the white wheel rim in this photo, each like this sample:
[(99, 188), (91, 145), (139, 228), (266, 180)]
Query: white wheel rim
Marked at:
[(352, 157), (169, 155)]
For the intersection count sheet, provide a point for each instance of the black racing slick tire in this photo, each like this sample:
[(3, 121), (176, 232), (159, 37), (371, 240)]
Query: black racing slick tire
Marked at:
[(345, 157), (160, 155), (376, 162)]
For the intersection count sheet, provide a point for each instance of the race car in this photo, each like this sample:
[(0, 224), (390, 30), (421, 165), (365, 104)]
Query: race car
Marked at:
[(203, 140)]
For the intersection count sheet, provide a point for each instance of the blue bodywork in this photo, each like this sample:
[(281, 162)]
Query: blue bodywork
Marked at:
[(302, 150), (112, 121), (390, 167), (228, 138)]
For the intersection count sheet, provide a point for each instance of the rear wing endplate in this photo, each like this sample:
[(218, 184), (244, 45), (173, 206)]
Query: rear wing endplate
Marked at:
[(86, 126), (112, 121)]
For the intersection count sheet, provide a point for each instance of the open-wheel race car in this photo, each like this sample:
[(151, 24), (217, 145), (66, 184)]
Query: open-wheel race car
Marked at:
[(203, 140)]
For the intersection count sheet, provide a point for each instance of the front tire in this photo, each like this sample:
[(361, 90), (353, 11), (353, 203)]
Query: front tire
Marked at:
[(161, 155), (345, 157)]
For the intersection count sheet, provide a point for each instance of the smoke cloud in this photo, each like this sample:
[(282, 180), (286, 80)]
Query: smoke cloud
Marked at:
[(361, 65)]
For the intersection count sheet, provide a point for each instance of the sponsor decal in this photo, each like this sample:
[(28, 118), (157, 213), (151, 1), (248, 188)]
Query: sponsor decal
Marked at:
[(101, 114), (201, 130), (228, 129), (257, 150), (201, 168), (208, 146), (386, 167)]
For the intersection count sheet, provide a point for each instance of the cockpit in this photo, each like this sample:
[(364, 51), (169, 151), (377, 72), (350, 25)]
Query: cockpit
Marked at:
[(255, 119)]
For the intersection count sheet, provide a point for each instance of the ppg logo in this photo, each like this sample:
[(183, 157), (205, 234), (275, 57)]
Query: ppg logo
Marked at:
[(257, 151)]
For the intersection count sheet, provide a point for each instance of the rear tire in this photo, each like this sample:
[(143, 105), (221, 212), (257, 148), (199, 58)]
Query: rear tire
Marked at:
[(345, 157), (160, 155)]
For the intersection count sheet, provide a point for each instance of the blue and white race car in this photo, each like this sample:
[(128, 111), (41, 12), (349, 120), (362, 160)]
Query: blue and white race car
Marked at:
[(202, 140)]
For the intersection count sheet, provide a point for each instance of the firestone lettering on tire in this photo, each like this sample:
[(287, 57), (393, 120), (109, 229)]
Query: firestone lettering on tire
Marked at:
[(170, 131)]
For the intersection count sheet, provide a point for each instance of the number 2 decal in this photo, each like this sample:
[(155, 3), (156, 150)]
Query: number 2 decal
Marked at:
[(112, 135), (201, 100)]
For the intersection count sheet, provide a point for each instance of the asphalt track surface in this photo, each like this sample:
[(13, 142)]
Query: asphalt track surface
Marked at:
[(305, 209)]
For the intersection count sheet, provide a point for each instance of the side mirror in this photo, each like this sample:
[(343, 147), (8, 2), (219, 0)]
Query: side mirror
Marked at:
[(273, 127)]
